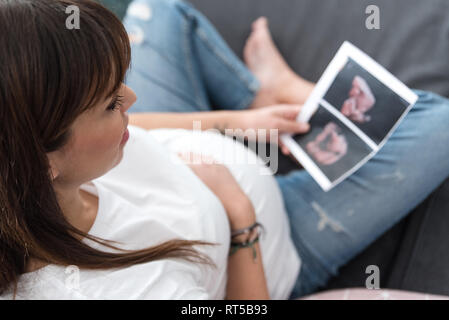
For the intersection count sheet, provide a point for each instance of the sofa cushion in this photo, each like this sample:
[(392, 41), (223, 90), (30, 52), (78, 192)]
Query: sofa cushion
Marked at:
[(413, 40)]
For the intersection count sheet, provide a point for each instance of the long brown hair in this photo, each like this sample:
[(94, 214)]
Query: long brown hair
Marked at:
[(49, 75)]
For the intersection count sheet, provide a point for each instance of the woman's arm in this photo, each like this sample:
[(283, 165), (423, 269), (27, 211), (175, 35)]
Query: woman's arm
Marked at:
[(209, 119), (278, 117), (246, 277)]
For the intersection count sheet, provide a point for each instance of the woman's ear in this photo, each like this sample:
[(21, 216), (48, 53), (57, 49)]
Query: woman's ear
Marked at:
[(54, 170)]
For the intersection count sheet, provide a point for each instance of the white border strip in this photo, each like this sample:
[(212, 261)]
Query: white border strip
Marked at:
[(337, 114), (379, 72), (306, 162), (322, 86)]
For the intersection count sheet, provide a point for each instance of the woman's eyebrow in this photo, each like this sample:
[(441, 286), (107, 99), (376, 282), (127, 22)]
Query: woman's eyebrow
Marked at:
[(112, 96)]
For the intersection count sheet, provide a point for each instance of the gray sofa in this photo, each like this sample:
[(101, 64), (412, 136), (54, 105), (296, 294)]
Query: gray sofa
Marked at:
[(413, 43)]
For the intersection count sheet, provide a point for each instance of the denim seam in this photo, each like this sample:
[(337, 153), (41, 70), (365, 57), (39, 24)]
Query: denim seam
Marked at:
[(311, 268), (250, 85), (317, 257), (190, 70), (305, 244), (164, 55), (305, 247), (247, 101), (168, 88)]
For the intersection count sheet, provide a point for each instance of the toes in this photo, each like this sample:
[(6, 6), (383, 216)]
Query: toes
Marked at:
[(261, 22)]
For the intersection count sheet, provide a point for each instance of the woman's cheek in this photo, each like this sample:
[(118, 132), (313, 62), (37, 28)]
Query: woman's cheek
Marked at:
[(95, 146), (107, 143)]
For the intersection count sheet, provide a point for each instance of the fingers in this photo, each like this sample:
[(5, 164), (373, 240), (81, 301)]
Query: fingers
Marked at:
[(287, 115), (283, 148), (293, 126), (287, 111)]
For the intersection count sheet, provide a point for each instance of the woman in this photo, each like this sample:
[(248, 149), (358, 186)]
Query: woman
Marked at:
[(92, 210)]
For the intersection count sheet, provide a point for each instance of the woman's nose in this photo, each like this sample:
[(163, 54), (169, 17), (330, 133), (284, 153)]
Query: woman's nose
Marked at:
[(130, 97)]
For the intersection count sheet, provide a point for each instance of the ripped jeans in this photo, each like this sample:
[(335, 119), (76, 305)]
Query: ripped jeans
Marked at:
[(181, 64)]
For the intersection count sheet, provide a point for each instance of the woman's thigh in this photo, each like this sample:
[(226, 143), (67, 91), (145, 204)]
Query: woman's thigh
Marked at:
[(330, 228)]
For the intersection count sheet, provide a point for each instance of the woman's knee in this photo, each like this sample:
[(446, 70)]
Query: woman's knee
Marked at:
[(427, 121), (147, 10), (158, 23), (158, 15), (433, 103)]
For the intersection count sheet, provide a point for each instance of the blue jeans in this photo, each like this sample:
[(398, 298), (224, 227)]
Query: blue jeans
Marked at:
[(181, 64)]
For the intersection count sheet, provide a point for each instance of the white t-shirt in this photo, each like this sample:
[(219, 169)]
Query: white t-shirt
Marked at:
[(151, 197)]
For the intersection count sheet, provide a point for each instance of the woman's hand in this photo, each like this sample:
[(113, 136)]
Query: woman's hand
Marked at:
[(281, 117), (222, 183)]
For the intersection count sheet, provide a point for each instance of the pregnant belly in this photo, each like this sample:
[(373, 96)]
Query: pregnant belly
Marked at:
[(281, 262)]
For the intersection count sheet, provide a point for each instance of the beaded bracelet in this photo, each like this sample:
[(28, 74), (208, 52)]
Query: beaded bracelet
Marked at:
[(235, 246), (247, 230)]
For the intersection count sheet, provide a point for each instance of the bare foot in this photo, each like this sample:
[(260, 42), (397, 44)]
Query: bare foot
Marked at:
[(279, 84)]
